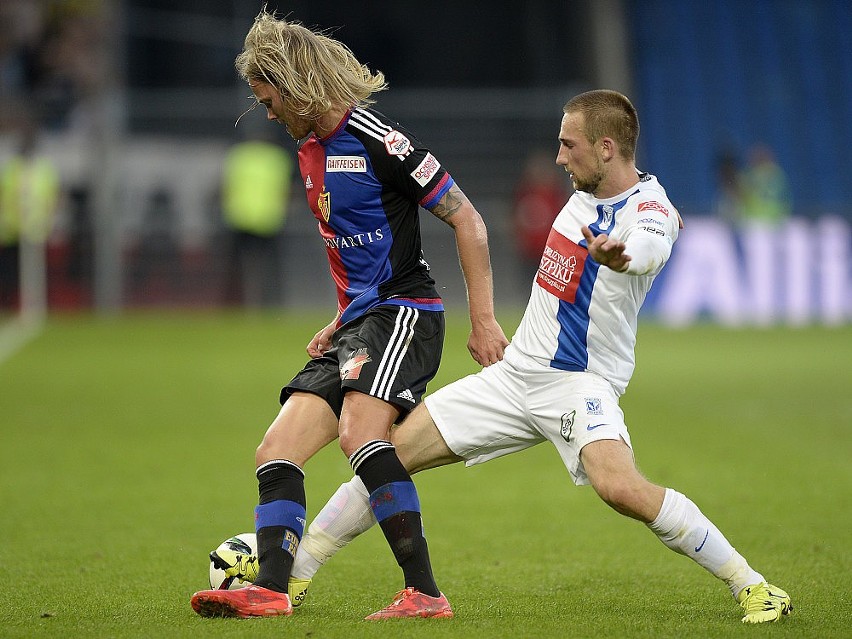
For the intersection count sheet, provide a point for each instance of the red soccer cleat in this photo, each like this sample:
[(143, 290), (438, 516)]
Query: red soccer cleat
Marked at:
[(251, 601), (413, 603)]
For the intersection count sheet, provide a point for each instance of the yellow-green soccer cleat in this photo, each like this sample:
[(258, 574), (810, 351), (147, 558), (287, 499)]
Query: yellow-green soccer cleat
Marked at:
[(234, 563), (763, 603), (298, 590)]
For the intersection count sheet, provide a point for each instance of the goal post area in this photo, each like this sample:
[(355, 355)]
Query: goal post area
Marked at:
[(25, 320)]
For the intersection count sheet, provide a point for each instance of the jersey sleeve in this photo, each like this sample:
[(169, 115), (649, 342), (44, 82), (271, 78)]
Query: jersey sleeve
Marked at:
[(428, 180), (412, 169), (649, 238)]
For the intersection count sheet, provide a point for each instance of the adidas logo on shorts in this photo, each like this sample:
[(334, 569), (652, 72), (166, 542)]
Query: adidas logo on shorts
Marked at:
[(406, 395)]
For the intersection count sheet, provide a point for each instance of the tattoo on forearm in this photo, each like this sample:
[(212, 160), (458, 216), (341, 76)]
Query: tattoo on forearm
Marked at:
[(449, 204)]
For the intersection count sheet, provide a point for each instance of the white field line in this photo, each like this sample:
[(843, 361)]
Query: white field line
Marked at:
[(15, 334)]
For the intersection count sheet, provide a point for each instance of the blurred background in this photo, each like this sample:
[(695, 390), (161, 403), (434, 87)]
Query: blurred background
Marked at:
[(121, 165)]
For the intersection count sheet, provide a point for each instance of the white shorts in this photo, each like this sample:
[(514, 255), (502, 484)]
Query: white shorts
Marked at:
[(503, 410)]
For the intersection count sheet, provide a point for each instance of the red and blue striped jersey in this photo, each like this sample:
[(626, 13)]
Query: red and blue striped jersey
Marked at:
[(364, 183)]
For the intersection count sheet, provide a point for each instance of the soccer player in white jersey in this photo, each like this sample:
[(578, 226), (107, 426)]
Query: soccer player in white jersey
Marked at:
[(569, 361)]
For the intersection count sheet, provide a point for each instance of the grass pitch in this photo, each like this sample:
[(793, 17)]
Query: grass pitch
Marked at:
[(127, 455)]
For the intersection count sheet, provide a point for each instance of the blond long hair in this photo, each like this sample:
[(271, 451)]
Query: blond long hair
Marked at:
[(312, 72)]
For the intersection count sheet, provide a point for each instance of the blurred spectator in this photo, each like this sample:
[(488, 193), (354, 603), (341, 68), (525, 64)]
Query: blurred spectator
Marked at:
[(29, 194), (71, 255), (764, 188), (21, 27), (539, 195), (728, 201), (255, 197), (54, 57), (75, 62), (153, 256)]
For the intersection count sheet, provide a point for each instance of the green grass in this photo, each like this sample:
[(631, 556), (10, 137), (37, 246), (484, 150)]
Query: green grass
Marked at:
[(128, 453)]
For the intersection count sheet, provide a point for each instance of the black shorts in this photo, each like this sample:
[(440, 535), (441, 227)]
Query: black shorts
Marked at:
[(390, 352)]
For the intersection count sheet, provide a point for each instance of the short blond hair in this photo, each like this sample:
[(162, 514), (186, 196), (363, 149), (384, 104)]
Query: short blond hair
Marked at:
[(608, 114), (311, 71)]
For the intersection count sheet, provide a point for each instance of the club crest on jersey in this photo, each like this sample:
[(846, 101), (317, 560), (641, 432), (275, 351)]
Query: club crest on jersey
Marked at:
[(567, 425), (396, 143), (351, 368), (653, 206), (324, 204), (593, 406), (607, 214)]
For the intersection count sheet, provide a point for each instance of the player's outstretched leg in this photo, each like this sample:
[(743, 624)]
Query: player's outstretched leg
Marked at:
[(346, 515), (681, 526)]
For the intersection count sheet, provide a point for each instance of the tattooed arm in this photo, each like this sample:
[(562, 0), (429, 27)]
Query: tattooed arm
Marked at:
[(487, 340)]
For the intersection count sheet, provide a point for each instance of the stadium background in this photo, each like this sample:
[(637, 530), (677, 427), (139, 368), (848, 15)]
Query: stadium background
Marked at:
[(128, 436), (138, 111)]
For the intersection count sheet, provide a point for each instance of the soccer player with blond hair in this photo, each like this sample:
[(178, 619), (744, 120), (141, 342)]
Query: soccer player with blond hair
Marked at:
[(365, 178)]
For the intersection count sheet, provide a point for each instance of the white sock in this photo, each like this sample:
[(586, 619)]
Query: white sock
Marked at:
[(345, 516), (681, 526)]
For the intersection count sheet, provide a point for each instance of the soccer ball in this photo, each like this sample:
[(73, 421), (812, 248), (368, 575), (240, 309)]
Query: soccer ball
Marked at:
[(234, 563)]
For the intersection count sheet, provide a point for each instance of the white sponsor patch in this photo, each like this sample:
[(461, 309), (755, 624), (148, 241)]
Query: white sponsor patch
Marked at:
[(345, 164), (396, 143), (426, 170)]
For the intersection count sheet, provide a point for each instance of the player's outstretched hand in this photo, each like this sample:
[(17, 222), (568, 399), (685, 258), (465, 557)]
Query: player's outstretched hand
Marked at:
[(605, 250), (487, 342)]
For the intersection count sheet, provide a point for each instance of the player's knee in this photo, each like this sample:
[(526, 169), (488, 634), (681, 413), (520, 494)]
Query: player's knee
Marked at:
[(622, 496), (351, 437), (264, 452), (347, 440), (274, 447)]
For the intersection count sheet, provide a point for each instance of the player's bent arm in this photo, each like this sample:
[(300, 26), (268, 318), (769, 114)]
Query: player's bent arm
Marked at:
[(487, 340), (648, 252), (606, 250), (641, 252)]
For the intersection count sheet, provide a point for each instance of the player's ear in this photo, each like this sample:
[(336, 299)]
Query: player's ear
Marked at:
[(607, 147)]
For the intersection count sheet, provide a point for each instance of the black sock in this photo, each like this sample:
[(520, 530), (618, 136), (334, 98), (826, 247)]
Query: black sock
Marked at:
[(394, 500), (280, 521)]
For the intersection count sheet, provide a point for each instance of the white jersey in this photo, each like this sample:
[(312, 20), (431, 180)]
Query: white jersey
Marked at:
[(581, 316)]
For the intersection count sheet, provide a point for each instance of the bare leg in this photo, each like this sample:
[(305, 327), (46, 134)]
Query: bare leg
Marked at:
[(677, 521)]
